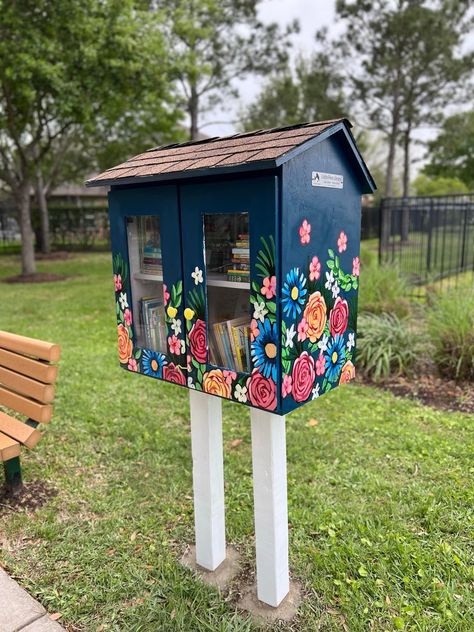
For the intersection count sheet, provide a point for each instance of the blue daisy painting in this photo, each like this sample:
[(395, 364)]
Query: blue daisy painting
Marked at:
[(335, 356), (264, 350), (293, 293), (153, 363)]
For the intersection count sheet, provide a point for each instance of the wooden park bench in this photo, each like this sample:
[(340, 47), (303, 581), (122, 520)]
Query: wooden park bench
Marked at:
[(27, 380)]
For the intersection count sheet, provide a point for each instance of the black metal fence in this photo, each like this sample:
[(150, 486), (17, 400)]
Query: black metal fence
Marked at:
[(429, 238)]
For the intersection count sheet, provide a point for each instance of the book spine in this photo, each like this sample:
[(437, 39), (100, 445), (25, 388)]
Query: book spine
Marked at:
[(238, 348)]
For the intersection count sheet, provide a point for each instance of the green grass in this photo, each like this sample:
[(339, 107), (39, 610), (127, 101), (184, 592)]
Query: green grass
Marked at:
[(381, 492)]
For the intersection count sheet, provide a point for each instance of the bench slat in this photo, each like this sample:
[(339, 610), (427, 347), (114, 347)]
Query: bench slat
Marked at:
[(26, 386), (25, 406), (36, 369), (9, 448), (29, 346), (26, 435)]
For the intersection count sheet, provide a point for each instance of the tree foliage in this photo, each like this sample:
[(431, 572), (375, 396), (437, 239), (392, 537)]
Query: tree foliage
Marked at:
[(213, 43), (451, 153), (312, 91), (438, 185), (406, 64), (68, 71)]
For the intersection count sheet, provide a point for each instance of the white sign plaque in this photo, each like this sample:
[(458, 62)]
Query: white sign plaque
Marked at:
[(330, 180)]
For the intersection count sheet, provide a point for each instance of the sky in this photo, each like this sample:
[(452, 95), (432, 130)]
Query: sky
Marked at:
[(312, 15)]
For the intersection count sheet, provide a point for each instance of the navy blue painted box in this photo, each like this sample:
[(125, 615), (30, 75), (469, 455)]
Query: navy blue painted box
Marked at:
[(236, 262)]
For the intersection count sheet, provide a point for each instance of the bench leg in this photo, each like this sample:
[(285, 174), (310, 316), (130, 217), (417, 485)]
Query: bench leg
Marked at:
[(13, 480)]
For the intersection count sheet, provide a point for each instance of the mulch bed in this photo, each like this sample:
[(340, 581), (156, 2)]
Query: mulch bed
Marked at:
[(39, 277), (433, 391)]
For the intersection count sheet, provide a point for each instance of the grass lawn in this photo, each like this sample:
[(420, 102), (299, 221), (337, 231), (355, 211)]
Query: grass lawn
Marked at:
[(381, 492)]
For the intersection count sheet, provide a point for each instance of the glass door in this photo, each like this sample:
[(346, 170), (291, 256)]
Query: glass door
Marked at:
[(148, 281), (228, 235)]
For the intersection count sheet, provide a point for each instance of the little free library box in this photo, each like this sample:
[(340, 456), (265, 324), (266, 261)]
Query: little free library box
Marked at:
[(236, 271), (236, 262)]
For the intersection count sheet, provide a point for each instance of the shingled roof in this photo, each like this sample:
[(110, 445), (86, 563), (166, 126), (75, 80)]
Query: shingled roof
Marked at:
[(261, 146)]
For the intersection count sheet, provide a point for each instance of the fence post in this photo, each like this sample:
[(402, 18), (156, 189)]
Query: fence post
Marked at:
[(430, 234), (464, 240)]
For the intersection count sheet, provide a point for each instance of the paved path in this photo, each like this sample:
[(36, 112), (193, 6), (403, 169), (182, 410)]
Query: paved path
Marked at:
[(19, 611)]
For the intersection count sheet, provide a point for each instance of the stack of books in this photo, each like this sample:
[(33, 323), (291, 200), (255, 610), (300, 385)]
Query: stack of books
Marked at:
[(229, 344), (240, 269), (151, 259), (152, 321)]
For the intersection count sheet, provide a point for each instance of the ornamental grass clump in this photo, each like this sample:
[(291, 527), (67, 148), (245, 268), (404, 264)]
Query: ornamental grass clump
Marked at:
[(386, 346), (451, 330), (383, 290)]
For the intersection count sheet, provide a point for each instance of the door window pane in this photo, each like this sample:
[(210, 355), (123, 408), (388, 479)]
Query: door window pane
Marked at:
[(146, 274), (227, 258)]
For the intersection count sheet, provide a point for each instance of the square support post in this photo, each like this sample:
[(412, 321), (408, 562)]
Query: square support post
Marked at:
[(13, 480), (270, 506), (208, 479)]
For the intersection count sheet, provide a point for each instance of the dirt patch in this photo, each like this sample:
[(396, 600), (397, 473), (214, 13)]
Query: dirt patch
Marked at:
[(39, 277), (32, 497), (433, 391)]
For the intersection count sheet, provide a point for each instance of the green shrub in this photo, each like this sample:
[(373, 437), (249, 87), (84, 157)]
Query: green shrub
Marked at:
[(383, 290), (386, 346), (451, 330)]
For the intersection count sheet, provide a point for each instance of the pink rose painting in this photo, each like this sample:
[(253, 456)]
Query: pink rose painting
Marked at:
[(305, 232), (166, 295), (303, 377)]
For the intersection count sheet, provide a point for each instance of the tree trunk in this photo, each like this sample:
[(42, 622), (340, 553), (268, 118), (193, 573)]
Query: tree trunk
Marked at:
[(392, 146), (43, 212), (22, 198), (193, 114), (405, 224)]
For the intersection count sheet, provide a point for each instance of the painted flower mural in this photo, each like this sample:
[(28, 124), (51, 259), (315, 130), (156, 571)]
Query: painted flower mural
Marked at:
[(318, 303), (167, 366), (258, 386), (311, 354)]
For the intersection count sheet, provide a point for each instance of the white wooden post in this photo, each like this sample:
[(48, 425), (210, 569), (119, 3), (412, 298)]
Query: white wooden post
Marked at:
[(208, 479), (270, 505)]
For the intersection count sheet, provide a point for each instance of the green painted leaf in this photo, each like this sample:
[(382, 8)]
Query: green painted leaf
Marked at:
[(331, 253), (271, 306)]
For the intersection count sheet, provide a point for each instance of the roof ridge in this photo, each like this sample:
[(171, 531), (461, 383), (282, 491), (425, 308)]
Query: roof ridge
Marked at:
[(257, 132)]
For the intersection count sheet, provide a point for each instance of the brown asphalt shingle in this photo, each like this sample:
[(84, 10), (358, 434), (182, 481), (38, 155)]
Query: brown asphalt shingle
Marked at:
[(215, 152)]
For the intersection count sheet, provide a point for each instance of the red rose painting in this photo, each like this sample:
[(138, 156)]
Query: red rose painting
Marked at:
[(339, 317), (262, 391), (198, 341)]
